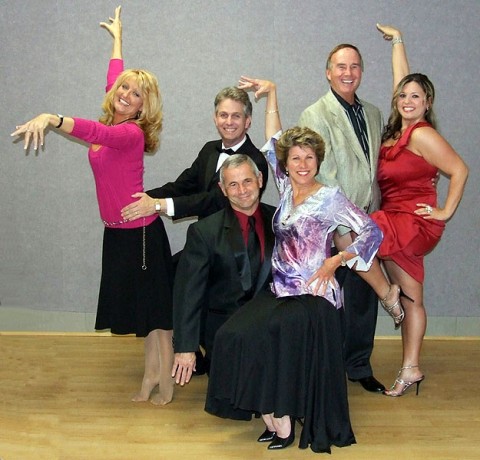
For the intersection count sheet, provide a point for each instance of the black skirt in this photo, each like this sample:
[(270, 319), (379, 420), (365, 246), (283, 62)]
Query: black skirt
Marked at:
[(134, 300), (283, 356)]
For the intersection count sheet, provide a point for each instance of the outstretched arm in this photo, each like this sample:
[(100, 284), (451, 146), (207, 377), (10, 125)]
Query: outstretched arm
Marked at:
[(400, 67), (272, 116), (114, 27), (34, 130)]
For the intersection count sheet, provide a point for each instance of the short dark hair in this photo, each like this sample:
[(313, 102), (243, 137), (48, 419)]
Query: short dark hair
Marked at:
[(341, 47)]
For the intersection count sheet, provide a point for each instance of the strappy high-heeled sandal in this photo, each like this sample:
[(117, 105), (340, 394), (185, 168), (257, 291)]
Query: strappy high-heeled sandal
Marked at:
[(406, 385), (397, 319)]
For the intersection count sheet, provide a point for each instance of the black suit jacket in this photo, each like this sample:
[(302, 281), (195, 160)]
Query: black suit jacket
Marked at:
[(213, 277), (196, 192)]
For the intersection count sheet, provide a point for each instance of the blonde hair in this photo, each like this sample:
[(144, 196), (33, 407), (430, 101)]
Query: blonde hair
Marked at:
[(150, 118)]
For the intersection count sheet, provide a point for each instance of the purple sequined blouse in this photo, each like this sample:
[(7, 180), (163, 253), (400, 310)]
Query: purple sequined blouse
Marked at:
[(304, 234)]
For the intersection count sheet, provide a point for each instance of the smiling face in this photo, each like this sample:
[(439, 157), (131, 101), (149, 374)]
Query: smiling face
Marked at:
[(412, 102), (242, 188), (302, 165), (231, 122), (345, 73), (128, 100)]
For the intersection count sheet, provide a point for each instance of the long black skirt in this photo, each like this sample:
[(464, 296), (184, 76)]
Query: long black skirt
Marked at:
[(136, 299), (283, 356)]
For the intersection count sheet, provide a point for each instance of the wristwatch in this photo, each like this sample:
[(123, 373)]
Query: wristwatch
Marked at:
[(343, 262), (60, 123), (158, 206)]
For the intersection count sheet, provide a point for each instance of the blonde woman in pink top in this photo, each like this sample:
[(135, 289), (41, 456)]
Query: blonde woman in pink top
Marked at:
[(137, 276)]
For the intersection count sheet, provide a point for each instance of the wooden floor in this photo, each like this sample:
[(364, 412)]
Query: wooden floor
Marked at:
[(68, 397)]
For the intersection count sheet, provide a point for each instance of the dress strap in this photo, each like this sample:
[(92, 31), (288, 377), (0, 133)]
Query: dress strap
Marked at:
[(404, 139)]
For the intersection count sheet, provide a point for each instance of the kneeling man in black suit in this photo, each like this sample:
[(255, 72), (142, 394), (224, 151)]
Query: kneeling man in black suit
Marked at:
[(225, 262)]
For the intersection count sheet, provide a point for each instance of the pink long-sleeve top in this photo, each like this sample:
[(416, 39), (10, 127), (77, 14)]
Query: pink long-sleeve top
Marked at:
[(116, 157)]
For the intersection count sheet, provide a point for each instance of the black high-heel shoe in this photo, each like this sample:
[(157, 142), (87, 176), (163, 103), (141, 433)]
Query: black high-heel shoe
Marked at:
[(281, 443), (266, 436)]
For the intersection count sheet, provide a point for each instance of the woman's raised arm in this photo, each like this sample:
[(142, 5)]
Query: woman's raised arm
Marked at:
[(400, 67), (114, 27), (272, 115)]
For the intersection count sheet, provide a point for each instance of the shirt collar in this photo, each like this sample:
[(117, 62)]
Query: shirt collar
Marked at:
[(344, 103), (236, 146), (243, 218)]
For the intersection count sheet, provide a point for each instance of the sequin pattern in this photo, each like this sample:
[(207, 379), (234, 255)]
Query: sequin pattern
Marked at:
[(304, 234)]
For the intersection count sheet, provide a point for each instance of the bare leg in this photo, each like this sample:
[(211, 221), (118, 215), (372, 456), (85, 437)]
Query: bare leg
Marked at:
[(268, 420), (165, 380), (413, 327), (152, 367), (375, 277), (415, 322), (282, 426)]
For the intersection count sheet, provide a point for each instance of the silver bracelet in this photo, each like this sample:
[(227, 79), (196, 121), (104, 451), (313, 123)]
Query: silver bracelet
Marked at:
[(397, 40)]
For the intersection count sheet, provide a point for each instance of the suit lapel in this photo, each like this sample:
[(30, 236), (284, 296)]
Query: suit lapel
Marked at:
[(345, 126), (266, 268), (343, 123), (211, 175), (373, 137), (237, 246)]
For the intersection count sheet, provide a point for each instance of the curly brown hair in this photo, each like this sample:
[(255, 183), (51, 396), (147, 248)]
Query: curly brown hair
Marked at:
[(303, 137)]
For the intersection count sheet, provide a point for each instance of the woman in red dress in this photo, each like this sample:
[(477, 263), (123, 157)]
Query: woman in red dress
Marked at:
[(412, 220)]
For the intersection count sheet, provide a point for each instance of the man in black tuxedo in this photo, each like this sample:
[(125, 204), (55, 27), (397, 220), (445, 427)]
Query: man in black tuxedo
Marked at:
[(195, 192), (220, 269)]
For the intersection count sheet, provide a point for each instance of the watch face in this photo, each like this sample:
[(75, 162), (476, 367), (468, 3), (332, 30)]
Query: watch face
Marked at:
[(157, 207)]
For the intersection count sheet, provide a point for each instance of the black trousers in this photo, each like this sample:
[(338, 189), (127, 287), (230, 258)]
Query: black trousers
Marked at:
[(359, 322)]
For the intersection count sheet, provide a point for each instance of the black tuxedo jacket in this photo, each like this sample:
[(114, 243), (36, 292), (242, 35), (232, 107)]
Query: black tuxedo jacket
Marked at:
[(213, 277), (196, 192)]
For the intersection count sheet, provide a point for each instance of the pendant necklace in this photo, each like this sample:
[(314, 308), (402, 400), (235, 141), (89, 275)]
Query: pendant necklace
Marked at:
[(123, 121)]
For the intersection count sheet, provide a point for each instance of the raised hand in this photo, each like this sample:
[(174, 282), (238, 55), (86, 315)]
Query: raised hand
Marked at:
[(389, 32), (114, 26), (259, 86), (400, 67)]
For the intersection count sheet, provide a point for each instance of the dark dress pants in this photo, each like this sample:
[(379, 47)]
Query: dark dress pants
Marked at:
[(359, 322)]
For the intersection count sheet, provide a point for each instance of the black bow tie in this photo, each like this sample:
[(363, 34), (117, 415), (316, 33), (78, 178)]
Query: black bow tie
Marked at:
[(227, 151)]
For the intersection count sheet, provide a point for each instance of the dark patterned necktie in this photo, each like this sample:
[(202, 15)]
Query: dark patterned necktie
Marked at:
[(254, 250)]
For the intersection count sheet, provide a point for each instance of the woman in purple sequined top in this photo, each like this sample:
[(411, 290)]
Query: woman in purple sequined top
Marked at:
[(281, 354)]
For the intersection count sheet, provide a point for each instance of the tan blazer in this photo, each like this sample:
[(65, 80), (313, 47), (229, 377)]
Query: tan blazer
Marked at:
[(345, 163)]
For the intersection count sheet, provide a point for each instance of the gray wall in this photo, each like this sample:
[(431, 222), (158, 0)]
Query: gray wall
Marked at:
[(54, 58)]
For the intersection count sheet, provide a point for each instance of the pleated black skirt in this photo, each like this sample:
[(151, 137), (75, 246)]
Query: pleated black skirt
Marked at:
[(134, 300), (283, 356)]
